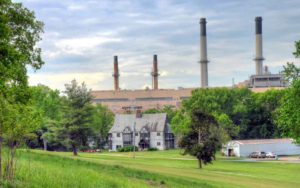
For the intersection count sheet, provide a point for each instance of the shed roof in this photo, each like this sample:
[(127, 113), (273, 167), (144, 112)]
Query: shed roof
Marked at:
[(264, 141), (152, 122)]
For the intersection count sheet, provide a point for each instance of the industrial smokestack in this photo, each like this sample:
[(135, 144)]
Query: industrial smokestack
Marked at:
[(154, 73), (259, 49), (203, 53), (116, 73)]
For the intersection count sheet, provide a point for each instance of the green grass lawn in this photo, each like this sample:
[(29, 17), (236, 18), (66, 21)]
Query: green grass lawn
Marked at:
[(147, 169)]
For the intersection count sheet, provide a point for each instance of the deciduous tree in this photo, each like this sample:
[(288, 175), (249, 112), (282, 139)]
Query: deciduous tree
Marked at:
[(202, 138)]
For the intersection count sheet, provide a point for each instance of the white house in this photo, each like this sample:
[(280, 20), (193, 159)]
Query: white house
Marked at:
[(147, 131), (242, 148)]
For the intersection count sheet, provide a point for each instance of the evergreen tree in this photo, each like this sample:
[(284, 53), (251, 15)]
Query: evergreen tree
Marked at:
[(78, 112)]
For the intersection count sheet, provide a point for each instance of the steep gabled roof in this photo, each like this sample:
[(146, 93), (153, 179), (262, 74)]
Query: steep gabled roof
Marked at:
[(152, 122)]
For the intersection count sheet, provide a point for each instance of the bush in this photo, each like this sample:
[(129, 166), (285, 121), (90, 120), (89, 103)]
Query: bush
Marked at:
[(127, 149), (152, 149)]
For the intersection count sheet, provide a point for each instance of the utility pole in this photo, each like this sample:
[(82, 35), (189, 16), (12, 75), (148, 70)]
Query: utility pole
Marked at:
[(137, 112)]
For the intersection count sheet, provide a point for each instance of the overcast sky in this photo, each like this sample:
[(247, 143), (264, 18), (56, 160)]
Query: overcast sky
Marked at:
[(82, 36)]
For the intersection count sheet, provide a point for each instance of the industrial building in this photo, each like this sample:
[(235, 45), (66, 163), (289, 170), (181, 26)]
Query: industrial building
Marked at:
[(157, 98), (242, 148), (263, 79)]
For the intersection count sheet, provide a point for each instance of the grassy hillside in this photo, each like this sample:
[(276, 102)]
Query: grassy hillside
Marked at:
[(148, 169)]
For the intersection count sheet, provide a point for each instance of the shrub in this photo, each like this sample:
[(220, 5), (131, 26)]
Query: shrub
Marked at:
[(127, 149), (152, 149)]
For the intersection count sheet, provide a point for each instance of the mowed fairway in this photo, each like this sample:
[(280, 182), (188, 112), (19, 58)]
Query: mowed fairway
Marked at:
[(148, 169)]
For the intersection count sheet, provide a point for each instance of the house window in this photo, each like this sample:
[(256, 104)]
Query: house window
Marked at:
[(118, 146), (158, 144), (136, 134), (118, 134), (158, 134)]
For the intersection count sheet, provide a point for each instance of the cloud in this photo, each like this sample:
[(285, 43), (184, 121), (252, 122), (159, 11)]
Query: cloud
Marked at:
[(55, 80), (78, 46), (82, 36)]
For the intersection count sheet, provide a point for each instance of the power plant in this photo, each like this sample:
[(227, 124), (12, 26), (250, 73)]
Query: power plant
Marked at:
[(118, 99), (263, 79)]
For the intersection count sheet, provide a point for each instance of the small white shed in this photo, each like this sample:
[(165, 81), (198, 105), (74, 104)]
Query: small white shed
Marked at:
[(242, 148)]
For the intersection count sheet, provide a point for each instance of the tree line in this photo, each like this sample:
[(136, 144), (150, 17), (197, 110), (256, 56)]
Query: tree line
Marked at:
[(69, 120)]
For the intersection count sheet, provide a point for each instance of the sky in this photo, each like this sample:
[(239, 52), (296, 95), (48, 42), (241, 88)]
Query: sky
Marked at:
[(81, 37)]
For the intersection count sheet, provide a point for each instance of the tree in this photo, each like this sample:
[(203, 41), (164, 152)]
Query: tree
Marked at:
[(78, 113), (19, 34), (227, 105), (48, 103), (258, 119), (21, 120), (102, 122), (297, 46), (288, 114), (202, 138), (151, 111), (291, 72)]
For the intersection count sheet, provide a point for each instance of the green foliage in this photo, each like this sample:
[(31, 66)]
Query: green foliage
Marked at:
[(102, 122), (127, 149), (297, 46), (291, 72), (180, 122), (49, 104), (225, 104), (19, 34), (240, 113), (151, 111), (152, 149), (288, 115), (202, 139), (258, 120), (78, 116)]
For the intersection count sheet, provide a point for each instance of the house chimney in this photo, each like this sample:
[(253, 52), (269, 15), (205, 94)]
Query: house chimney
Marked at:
[(203, 53), (259, 49), (116, 74), (154, 73)]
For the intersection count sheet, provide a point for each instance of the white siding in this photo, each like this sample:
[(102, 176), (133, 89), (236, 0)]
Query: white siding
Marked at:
[(154, 139), (278, 148), (244, 149), (116, 141)]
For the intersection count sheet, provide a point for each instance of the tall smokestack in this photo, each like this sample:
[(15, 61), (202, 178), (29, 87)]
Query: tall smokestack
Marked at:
[(116, 73), (154, 73), (259, 50), (203, 53)]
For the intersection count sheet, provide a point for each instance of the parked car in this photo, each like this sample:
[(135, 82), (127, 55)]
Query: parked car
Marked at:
[(258, 154), (271, 155)]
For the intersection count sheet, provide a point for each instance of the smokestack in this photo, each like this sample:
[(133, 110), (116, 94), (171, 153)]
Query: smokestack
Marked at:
[(116, 73), (154, 73), (259, 50), (203, 53)]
